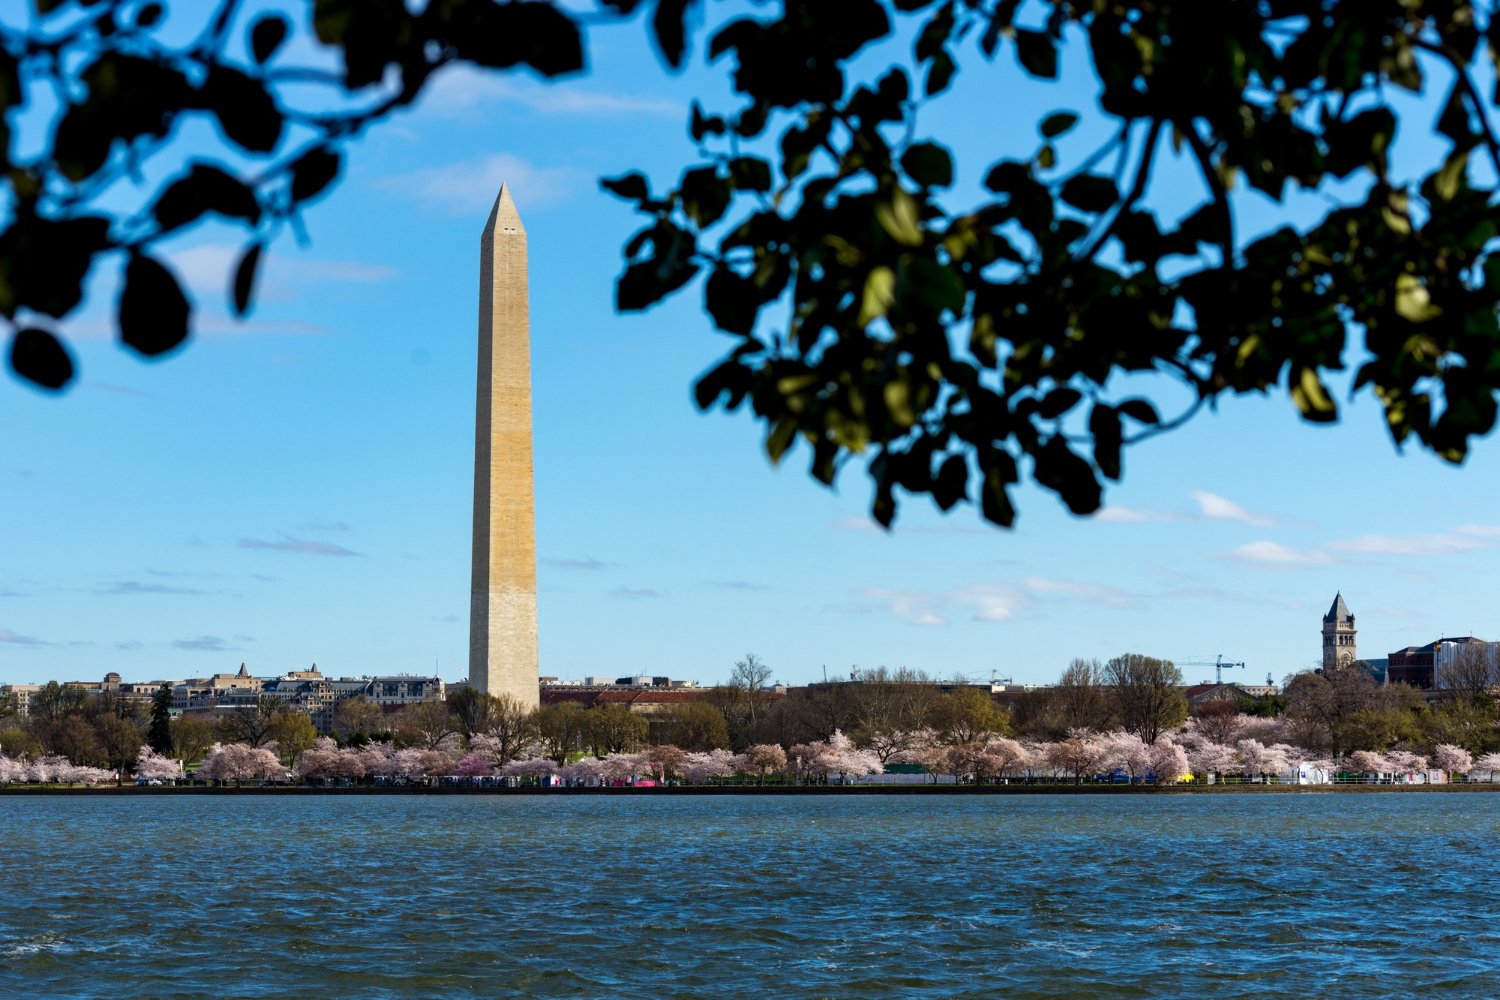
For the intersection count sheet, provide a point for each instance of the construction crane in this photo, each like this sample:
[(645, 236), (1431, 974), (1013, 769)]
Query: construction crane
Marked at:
[(1219, 663)]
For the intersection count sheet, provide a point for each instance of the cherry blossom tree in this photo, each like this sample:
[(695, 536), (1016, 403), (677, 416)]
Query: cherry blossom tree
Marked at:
[(700, 768), (667, 759), (1405, 762), (1257, 759), (240, 763), (152, 766), (11, 771), (320, 761), (1452, 759), (765, 759), (583, 772), (1126, 752), (1080, 754), (1368, 762), (470, 766), (840, 756), (1168, 761), (1488, 765)]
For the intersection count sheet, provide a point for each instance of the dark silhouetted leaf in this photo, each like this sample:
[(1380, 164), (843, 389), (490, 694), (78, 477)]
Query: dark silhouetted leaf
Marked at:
[(1056, 124), (266, 36), (206, 188), (313, 172), (153, 313), (631, 187), (1037, 52), (1090, 193), (929, 164), (245, 108), (40, 358), (245, 273), (669, 24)]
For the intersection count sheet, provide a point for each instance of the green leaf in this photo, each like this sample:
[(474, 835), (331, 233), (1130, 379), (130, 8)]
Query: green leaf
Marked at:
[(153, 313), (1311, 396), (929, 164), (899, 217), (1058, 123), (40, 358), (879, 294), (781, 438)]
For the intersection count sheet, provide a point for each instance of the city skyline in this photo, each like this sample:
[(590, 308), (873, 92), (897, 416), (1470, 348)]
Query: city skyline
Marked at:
[(296, 488)]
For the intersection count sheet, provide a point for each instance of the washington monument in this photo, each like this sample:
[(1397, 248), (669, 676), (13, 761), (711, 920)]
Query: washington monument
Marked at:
[(502, 607)]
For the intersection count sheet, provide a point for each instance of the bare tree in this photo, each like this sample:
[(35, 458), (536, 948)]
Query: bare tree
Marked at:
[(427, 724), (248, 724), (1218, 720), (1472, 671), (1148, 693), (1083, 698)]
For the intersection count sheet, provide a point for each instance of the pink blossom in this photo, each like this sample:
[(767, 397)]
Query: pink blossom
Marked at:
[(1452, 758)]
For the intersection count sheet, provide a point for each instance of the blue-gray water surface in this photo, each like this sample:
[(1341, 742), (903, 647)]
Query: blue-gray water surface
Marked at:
[(1377, 895)]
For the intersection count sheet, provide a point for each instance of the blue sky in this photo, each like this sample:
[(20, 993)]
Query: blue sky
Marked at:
[(295, 488)]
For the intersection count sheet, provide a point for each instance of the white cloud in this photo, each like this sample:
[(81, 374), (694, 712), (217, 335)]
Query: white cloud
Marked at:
[(468, 187), (1410, 545), (1128, 515), (1110, 597), (1268, 553), (909, 605), (1480, 530), (1212, 507), (463, 93), (993, 602), (208, 268)]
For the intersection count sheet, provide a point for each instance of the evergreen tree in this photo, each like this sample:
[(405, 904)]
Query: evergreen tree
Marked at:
[(160, 736)]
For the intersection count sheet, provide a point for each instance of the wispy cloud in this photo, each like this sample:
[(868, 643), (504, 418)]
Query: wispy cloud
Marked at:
[(287, 543), (447, 619), (1109, 597), (1212, 507), (469, 186), (1130, 515), (324, 526), (1268, 553), (634, 593), (910, 605), (202, 644), (993, 602), (128, 645), (209, 267), (132, 588), (10, 638), (585, 562), (737, 585), (464, 93), (1411, 545)]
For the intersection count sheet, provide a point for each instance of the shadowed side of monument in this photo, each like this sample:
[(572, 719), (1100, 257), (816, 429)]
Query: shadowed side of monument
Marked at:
[(502, 609)]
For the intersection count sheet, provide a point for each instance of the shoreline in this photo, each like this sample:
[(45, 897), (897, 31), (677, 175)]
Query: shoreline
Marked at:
[(812, 790)]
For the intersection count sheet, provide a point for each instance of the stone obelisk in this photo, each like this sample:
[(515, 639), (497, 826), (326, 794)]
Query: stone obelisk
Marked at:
[(502, 608)]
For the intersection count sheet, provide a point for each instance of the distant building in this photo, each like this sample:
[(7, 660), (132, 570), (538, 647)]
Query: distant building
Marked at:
[(1423, 667), (1339, 634)]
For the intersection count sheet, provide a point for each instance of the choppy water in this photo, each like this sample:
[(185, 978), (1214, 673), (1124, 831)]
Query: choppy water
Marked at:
[(1036, 896)]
